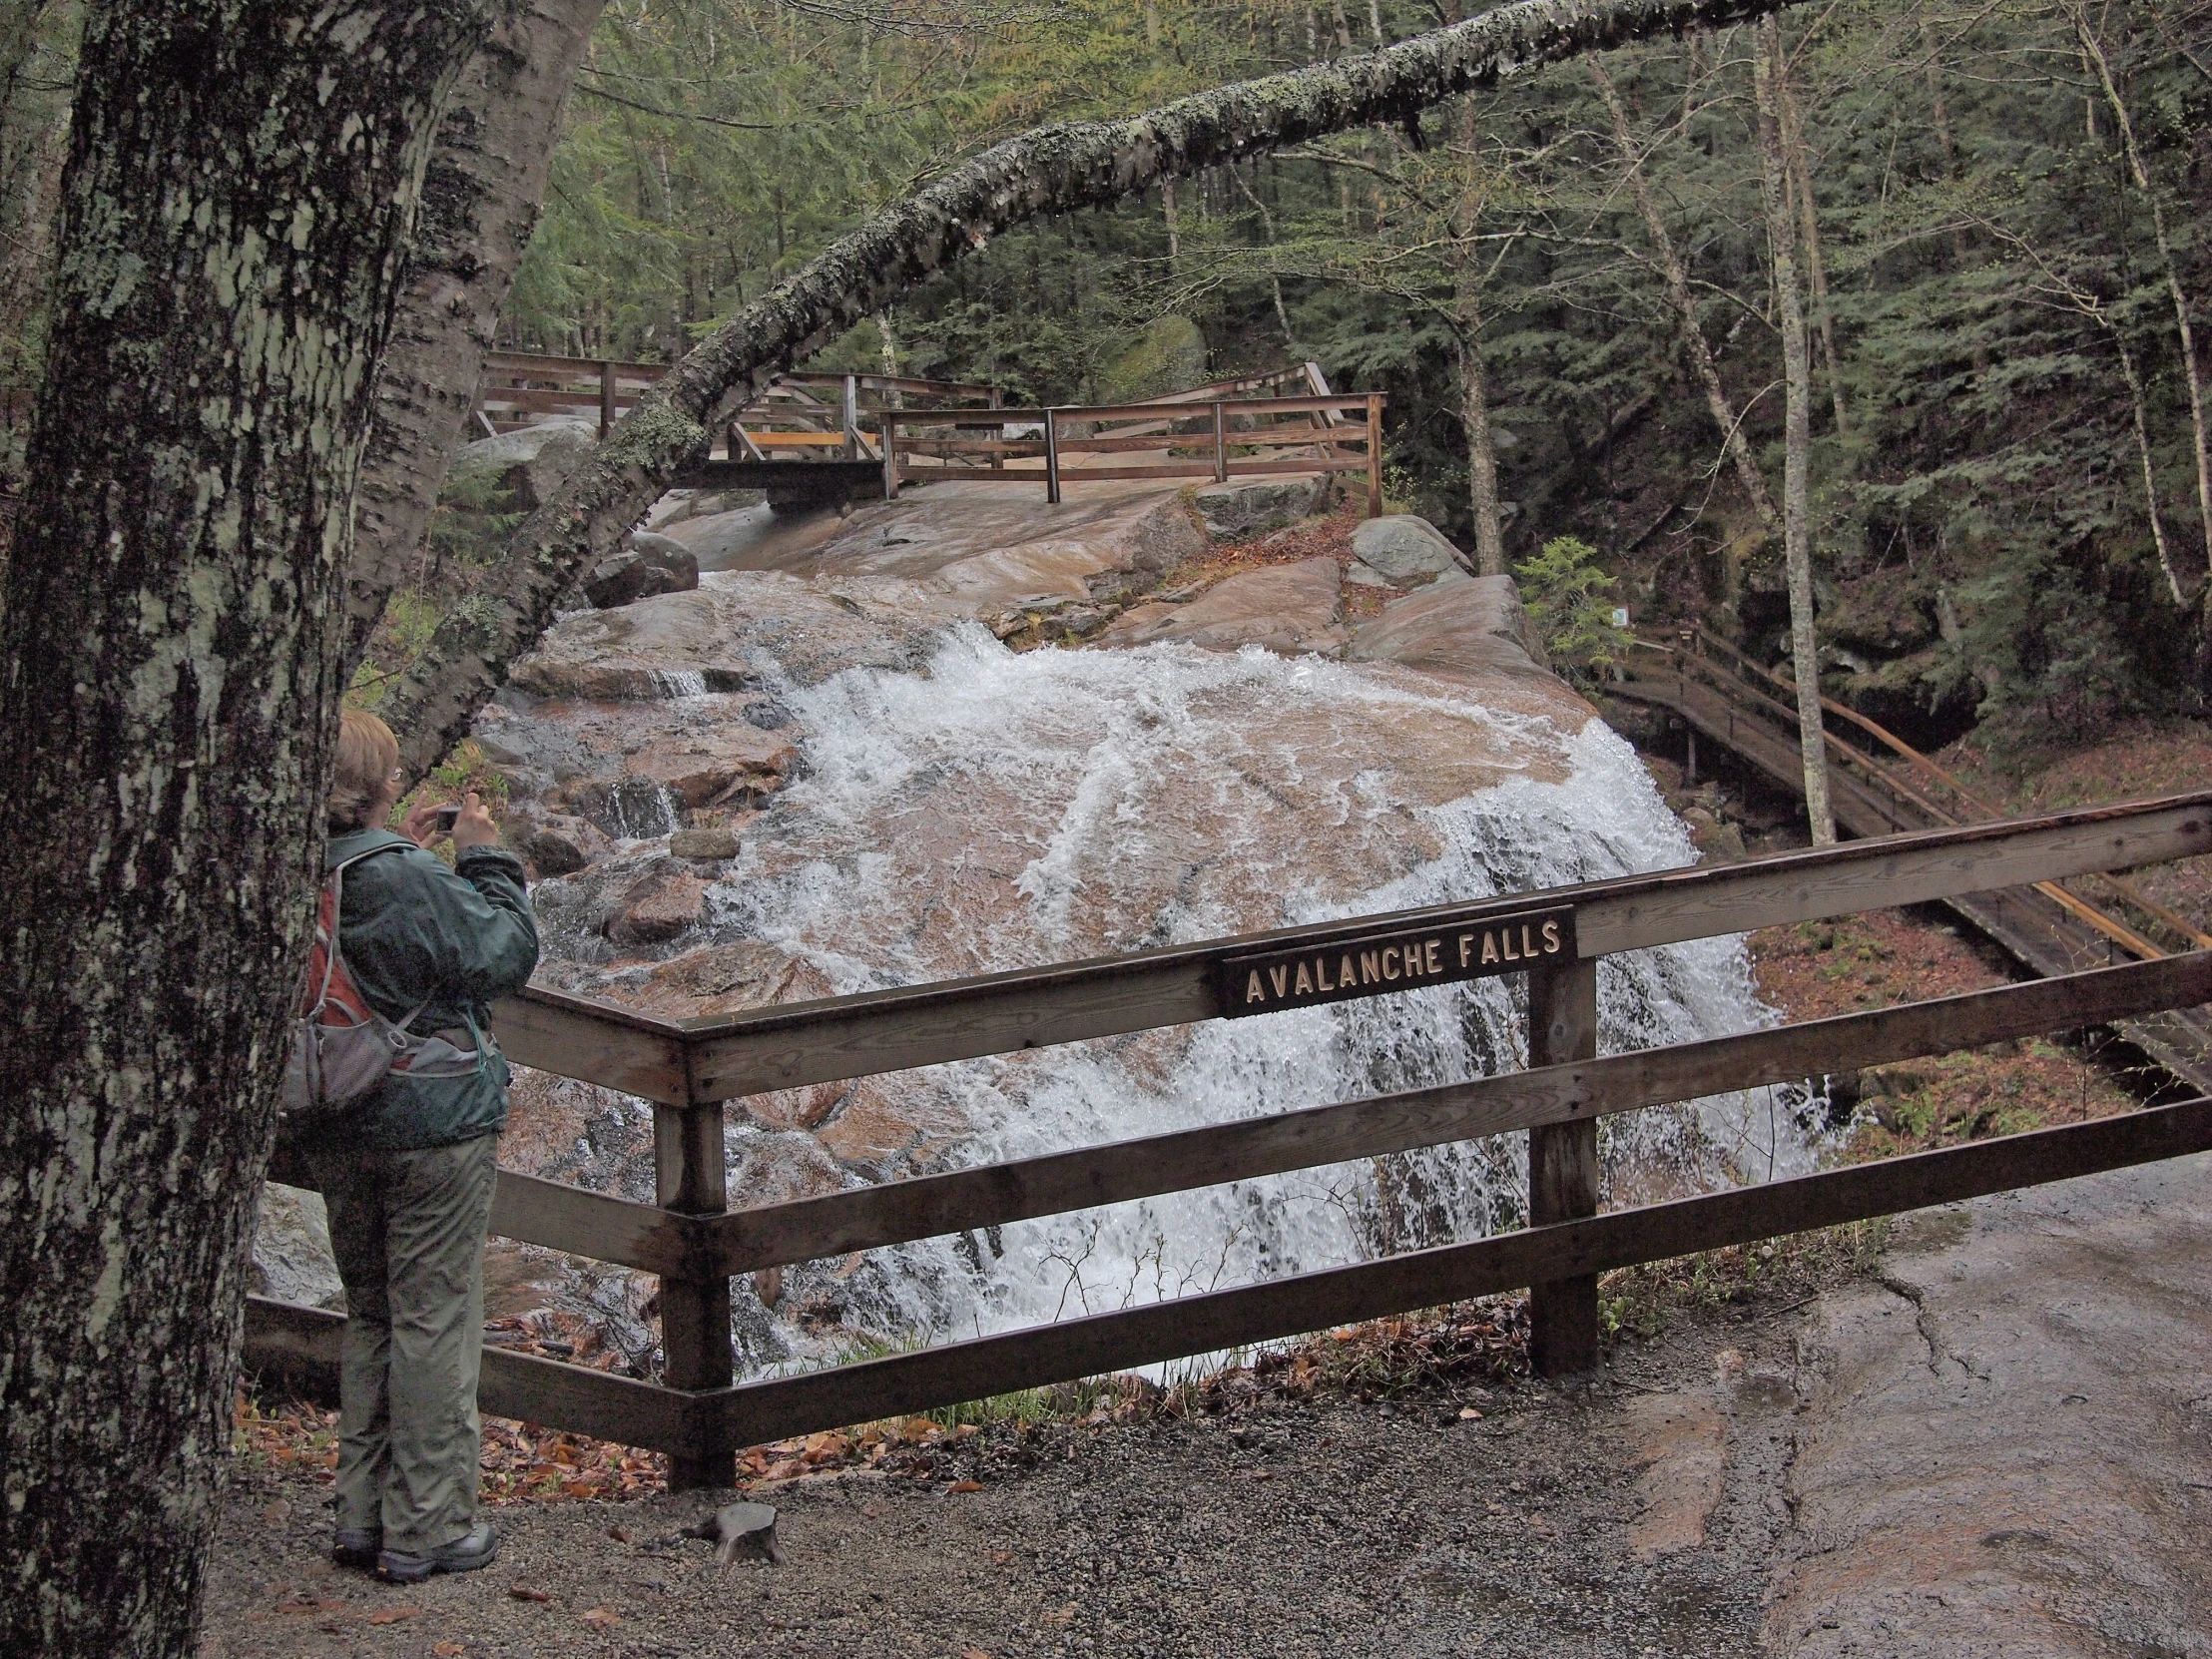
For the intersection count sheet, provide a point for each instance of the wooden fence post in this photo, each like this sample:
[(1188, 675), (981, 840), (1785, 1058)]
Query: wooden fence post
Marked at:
[(1562, 1167), (690, 1177), (606, 398), (890, 418), (1375, 455), (998, 436), (1052, 457), (852, 413), (1221, 448)]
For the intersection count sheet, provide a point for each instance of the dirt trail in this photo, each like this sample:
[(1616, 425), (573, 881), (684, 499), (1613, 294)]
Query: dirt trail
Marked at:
[(1553, 1525), (1999, 1446)]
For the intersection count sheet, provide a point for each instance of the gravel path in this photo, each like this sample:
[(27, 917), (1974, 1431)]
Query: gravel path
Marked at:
[(1602, 1522)]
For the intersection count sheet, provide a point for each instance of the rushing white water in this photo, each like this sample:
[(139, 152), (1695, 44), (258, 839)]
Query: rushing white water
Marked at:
[(1000, 810)]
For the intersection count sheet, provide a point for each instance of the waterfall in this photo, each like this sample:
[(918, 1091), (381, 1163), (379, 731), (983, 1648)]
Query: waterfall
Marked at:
[(997, 811)]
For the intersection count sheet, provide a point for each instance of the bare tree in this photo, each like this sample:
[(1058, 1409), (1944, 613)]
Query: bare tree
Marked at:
[(1797, 441), (2092, 48)]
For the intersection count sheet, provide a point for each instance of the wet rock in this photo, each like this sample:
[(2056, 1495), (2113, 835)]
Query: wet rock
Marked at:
[(1682, 1450), (559, 845), (1243, 505), (292, 1248), (777, 1168), (1286, 608), (715, 766), (885, 1129), (708, 844), (650, 565), (1474, 630), (708, 641), (658, 906), (1403, 549), (723, 979)]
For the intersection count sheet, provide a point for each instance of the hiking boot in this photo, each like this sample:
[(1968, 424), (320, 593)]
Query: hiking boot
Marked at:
[(356, 1546), (464, 1554)]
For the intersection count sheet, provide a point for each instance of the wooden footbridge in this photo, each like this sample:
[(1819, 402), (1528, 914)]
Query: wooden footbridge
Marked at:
[(2050, 929), (691, 1237), (819, 439)]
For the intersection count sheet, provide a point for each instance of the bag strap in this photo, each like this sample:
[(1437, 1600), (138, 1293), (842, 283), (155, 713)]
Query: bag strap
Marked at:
[(332, 951)]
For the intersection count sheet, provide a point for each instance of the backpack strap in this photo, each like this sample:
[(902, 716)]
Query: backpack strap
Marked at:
[(334, 883)]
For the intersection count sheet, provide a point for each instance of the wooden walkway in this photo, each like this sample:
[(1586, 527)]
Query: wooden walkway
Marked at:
[(2047, 927)]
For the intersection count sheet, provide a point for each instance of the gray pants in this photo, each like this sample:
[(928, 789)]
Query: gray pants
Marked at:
[(407, 1229)]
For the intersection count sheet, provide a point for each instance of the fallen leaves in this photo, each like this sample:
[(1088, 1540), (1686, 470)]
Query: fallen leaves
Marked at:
[(600, 1618), (525, 1592), (966, 1486), (620, 1535), (447, 1650), (1060, 1615), (392, 1615)]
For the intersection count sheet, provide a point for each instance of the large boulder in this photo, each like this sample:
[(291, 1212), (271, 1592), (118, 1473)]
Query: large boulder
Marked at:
[(1403, 549), (1292, 610), (649, 567), (1243, 505), (1169, 356), (1473, 630), (526, 466)]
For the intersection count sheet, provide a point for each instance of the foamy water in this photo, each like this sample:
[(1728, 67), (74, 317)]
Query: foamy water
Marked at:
[(1002, 811)]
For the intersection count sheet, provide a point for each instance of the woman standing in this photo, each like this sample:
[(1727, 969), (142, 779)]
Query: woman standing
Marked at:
[(407, 1178)]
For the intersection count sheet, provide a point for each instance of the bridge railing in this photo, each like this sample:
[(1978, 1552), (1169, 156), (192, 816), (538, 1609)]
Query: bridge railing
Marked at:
[(1187, 437), (688, 1068)]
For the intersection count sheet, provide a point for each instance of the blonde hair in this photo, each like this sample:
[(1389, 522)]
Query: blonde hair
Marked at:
[(367, 754)]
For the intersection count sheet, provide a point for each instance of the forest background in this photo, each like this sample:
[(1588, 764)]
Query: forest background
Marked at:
[(1566, 286)]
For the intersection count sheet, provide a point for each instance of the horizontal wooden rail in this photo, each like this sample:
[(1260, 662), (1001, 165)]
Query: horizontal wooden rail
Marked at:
[(927, 1206), (600, 1042), (1067, 414), (876, 1031), (286, 1335), (1110, 474), (752, 1412)]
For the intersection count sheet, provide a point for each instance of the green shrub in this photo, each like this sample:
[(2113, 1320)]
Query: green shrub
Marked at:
[(1570, 601)]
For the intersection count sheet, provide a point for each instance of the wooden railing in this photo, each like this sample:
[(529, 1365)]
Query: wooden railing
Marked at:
[(688, 1068), (1192, 437), (518, 386)]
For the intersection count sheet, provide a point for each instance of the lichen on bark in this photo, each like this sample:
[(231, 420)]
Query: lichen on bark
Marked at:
[(169, 683)]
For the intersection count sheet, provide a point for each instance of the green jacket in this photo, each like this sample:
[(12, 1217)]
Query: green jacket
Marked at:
[(415, 931)]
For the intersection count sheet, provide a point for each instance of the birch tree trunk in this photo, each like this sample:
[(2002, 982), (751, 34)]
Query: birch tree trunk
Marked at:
[(1797, 440), (2093, 49), (1474, 393), (1816, 268), (480, 203), (1474, 385), (1053, 170), (242, 179)]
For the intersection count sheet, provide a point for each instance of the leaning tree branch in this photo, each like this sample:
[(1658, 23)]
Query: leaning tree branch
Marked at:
[(1052, 169)]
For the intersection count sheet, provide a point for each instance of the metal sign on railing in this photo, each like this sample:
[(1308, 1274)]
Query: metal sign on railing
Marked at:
[(1396, 960)]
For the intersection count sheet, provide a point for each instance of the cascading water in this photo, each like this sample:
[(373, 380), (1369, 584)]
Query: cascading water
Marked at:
[(999, 810)]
